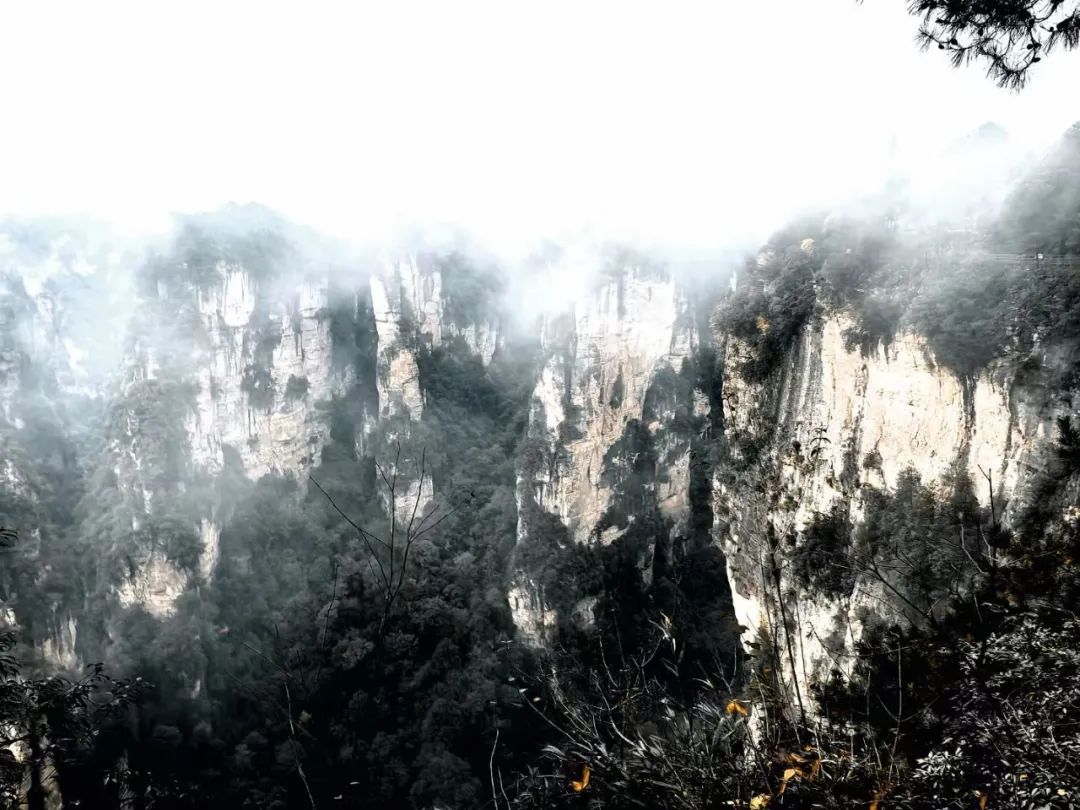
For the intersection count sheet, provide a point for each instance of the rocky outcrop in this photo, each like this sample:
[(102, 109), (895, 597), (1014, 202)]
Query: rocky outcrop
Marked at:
[(154, 586), (59, 650), (613, 361), (398, 376), (232, 369), (603, 358), (832, 424), (267, 359), (262, 359), (410, 309)]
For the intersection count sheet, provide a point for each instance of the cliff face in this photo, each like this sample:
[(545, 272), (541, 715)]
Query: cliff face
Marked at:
[(411, 312), (219, 377), (236, 367), (411, 316), (622, 396), (604, 355), (233, 369), (640, 433), (262, 368), (52, 355), (619, 403), (160, 378), (830, 432), (835, 425), (256, 396)]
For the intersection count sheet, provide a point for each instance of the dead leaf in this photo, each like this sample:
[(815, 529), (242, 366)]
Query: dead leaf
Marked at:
[(874, 805), (736, 707), (760, 802), (580, 785), (789, 774)]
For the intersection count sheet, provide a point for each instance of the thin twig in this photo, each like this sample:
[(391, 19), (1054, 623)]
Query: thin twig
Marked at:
[(491, 770), (326, 626), (364, 535)]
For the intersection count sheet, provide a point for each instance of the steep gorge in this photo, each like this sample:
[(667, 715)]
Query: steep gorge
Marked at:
[(238, 369), (662, 443)]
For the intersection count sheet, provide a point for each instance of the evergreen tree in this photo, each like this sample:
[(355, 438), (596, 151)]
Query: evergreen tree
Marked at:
[(1008, 36)]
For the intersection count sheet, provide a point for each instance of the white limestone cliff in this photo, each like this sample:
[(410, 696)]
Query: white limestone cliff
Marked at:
[(59, 650), (286, 435), (840, 421), (595, 382), (283, 432), (155, 586), (397, 376), (602, 357)]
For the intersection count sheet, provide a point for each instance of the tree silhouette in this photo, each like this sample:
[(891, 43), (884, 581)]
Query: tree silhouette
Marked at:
[(1009, 36)]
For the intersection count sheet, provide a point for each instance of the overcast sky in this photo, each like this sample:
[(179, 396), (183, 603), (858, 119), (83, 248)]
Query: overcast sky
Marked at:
[(691, 123)]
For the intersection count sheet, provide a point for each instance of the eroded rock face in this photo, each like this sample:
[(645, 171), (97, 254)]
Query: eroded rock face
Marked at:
[(59, 650), (154, 587), (398, 375), (888, 412), (267, 358), (610, 379), (232, 370), (837, 422), (533, 616), (411, 311), (833, 424), (603, 357), (261, 360)]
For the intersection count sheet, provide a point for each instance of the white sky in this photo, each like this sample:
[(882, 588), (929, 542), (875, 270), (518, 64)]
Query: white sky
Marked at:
[(692, 123)]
